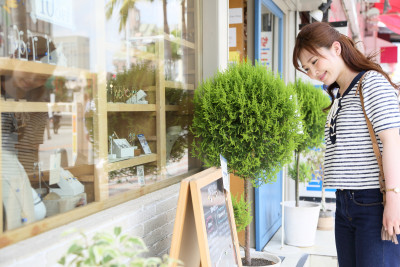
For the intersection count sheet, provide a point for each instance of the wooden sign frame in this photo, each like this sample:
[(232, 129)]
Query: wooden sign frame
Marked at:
[(190, 241)]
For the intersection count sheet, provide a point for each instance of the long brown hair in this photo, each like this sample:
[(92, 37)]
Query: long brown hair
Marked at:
[(321, 34)]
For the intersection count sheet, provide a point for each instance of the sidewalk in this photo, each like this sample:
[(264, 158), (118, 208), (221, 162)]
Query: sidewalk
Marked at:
[(323, 253)]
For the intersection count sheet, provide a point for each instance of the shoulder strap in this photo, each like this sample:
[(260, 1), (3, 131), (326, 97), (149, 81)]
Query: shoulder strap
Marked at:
[(375, 145)]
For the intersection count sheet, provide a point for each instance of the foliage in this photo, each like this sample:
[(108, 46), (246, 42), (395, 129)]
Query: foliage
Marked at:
[(305, 171), (312, 101), (316, 159), (248, 115), (111, 250), (242, 212), (123, 12), (133, 79)]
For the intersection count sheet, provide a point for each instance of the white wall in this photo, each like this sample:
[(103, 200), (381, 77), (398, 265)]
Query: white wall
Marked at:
[(215, 36)]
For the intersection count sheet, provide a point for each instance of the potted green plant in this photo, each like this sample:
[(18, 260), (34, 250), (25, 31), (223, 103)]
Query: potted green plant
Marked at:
[(242, 213), (247, 114), (326, 216), (111, 250), (302, 217)]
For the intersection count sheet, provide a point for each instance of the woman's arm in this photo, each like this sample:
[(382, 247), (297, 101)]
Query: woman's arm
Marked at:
[(391, 166)]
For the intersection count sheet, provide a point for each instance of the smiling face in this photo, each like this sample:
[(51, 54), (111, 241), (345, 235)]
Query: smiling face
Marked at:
[(325, 67)]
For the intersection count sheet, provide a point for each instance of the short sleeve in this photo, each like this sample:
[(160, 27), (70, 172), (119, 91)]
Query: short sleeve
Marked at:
[(380, 102)]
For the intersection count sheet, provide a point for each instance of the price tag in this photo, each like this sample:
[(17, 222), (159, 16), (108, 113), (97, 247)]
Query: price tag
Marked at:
[(55, 170), (144, 144), (140, 175), (225, 173)]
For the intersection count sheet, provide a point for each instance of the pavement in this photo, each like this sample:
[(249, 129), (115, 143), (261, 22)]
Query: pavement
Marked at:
[(323, 253)]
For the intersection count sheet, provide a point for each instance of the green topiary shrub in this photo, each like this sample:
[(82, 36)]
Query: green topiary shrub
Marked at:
[(247, 114), (312, 101)]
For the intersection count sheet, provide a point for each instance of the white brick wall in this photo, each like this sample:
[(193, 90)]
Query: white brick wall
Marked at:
[(150, 217)]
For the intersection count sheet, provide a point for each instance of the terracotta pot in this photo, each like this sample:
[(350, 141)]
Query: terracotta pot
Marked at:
[(264, 255), (326, 220)]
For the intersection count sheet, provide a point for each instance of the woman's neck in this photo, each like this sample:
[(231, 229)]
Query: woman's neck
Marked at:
[(345, 78)]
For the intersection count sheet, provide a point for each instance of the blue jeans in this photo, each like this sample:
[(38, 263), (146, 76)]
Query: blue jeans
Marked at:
[(358, 225)]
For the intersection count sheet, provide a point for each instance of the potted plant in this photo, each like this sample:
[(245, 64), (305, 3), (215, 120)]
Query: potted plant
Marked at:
[(111, 250), (302, 217), (242, 213), (247, 114), (326, 216)]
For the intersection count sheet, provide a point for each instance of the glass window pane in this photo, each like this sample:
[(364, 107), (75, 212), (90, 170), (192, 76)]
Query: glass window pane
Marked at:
[(93, 103)]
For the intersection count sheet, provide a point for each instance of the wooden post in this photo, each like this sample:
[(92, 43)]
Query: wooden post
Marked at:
[(160, 111)]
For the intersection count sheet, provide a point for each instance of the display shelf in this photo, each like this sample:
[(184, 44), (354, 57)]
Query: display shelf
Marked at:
[(172, 108), (179, 41), (129, 162), (24, 106), (122, 107), (148, 88), (7, 65), (144, 55), (179, 85)]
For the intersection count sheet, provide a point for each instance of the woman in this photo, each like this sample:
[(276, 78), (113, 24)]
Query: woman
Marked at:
[(350, 163)]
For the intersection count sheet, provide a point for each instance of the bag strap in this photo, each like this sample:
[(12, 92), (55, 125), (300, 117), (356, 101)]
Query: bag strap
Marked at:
[(375, 145)]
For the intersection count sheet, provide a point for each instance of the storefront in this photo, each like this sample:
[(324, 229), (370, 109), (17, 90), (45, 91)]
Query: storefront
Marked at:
[(96, 107), (96, 104)]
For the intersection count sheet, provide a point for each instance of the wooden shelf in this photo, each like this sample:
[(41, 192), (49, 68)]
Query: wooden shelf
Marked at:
[(179, 41), (7, 65), (121, 107), (179, 85), (23, 106), (149, 88), (172, 108), (144, 55), (139, 160)]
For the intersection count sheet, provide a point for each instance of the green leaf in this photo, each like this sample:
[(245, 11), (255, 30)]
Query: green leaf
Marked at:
[(75, 249), (117, 231)]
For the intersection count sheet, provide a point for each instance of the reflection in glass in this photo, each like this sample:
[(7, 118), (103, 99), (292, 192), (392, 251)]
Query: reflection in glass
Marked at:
[(47, 111), (53, 100)]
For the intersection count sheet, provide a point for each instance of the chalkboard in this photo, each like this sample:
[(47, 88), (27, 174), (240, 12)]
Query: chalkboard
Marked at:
[(204, 231), (218, 228)]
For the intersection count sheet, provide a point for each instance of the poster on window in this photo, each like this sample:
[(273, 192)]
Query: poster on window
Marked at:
[(266, 49)]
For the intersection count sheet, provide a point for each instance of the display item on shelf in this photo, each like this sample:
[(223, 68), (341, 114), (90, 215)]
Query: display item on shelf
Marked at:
[(122, 148), (138, 98), (68, 185)]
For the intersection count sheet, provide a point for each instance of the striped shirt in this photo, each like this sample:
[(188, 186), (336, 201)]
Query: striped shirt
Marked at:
[(350, 162)]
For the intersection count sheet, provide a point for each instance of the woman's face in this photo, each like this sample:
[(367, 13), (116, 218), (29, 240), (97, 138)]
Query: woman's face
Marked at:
[(28, 81), (324, 68)]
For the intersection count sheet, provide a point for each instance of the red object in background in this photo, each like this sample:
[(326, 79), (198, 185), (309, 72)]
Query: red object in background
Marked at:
[(392, 17), (394, 4), (391, 21), (389, 54)]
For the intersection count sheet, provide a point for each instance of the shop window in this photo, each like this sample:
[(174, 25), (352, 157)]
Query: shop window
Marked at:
[(93, 104)]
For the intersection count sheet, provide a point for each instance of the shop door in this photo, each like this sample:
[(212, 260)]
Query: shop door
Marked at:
[(268, 50)]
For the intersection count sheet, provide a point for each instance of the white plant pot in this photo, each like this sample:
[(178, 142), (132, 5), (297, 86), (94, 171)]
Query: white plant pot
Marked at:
[(264, 255), (301, 223)]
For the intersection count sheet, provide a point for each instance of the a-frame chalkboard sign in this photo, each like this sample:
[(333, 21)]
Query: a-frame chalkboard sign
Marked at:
[(204, 231)]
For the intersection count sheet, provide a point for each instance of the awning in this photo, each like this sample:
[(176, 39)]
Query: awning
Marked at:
[(392, 16), (388, 51)]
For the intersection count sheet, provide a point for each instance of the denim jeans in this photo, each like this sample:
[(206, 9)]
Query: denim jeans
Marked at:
[(358, 225)]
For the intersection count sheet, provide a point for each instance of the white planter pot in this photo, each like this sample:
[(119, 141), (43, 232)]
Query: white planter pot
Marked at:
[(301, 223), (264, 255)]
